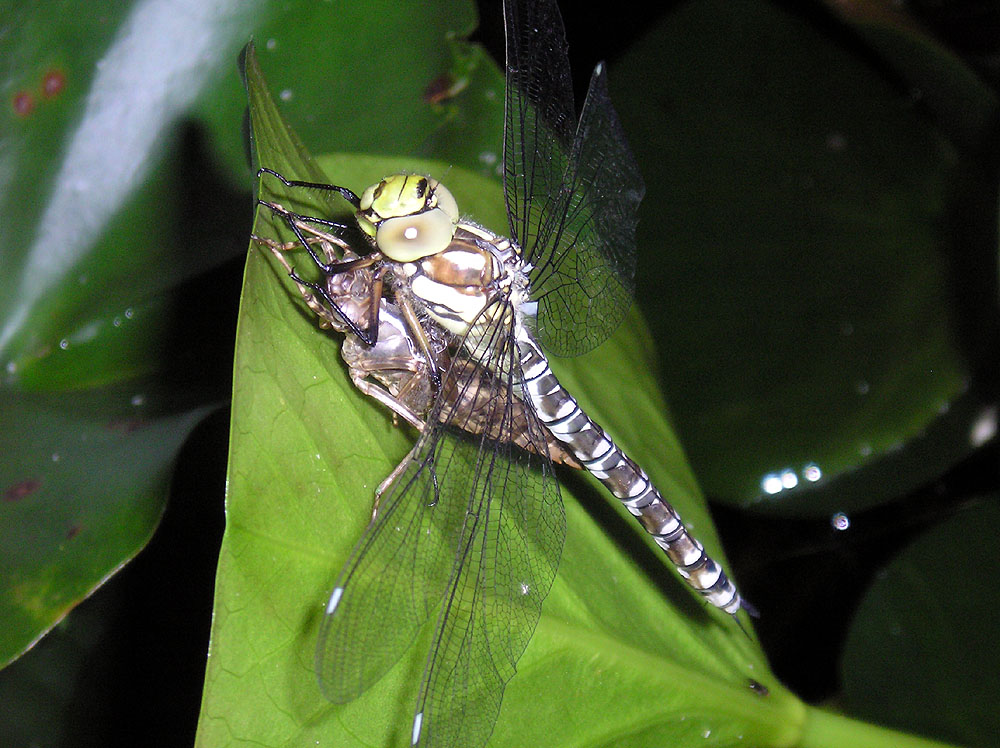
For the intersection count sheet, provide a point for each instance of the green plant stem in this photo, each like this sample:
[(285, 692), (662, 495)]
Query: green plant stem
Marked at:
[(823, 729)]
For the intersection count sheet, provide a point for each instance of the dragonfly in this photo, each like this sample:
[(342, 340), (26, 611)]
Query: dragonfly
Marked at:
[(471, 526), (391, 365)]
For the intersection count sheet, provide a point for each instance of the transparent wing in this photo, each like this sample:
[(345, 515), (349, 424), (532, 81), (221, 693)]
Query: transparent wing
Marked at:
[(571, 195), (475, 524), (538, 116), (394, 579), (506, 559)]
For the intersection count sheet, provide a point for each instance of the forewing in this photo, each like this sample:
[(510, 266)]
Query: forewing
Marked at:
[(538, 116), (507, 557), (584, 277), (571, 198)]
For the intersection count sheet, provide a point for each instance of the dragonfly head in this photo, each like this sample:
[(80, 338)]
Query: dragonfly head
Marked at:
[(409, 216)]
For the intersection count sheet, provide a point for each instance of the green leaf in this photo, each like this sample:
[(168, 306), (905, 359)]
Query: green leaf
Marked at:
[(122, 190), (95, 226), (384, 77), (306, 452), (820, 251), (83, 483), (103, 370), (920, 654)]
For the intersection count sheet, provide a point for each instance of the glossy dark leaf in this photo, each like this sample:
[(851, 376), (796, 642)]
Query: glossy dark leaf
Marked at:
[(919, 655), (102, 376), (820, 251)]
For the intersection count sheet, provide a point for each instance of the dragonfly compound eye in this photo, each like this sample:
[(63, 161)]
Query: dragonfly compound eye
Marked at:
[(410, 238), (410, 216)]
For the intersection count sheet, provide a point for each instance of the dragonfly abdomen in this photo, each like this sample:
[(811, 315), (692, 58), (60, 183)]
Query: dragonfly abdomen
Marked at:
[(598, 454)]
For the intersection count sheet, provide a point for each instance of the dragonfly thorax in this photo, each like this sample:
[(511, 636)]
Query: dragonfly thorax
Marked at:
[(457, 285), (453, 269), (409, 216)]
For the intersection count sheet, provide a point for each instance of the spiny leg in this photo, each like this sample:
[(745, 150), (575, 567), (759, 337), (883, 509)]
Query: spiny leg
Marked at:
[(298, 224), (347, 194), (389, 480), (326, 318), (413, 323)]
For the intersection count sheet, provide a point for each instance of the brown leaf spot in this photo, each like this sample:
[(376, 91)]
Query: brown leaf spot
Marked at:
[(126, 425), (444, 87), (23, 103), (18, 491), (53, 83)]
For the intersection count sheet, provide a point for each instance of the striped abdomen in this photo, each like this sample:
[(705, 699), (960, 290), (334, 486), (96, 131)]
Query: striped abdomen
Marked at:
[(595, 451)]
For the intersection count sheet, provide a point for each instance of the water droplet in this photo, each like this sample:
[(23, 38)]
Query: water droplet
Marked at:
[(861, 387), (812, 472), (129, 313), (984, 427), (138, 400), (271, 43), (286, 94), (771, 484), (840, 521), (64, 344)]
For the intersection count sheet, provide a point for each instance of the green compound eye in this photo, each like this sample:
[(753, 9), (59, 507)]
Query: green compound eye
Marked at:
[(409, 238), (406, 194), (410, 216)]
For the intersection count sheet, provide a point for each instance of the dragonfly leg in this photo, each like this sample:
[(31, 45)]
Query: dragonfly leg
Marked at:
[(418, 332), (389, 480), (326, 319), (386, 398), (334, 265), (302, 225), (343, 191)]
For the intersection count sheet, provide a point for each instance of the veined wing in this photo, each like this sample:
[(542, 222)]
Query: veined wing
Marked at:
[(506, 558), (395, 577), (474, 524), (572, 189)]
